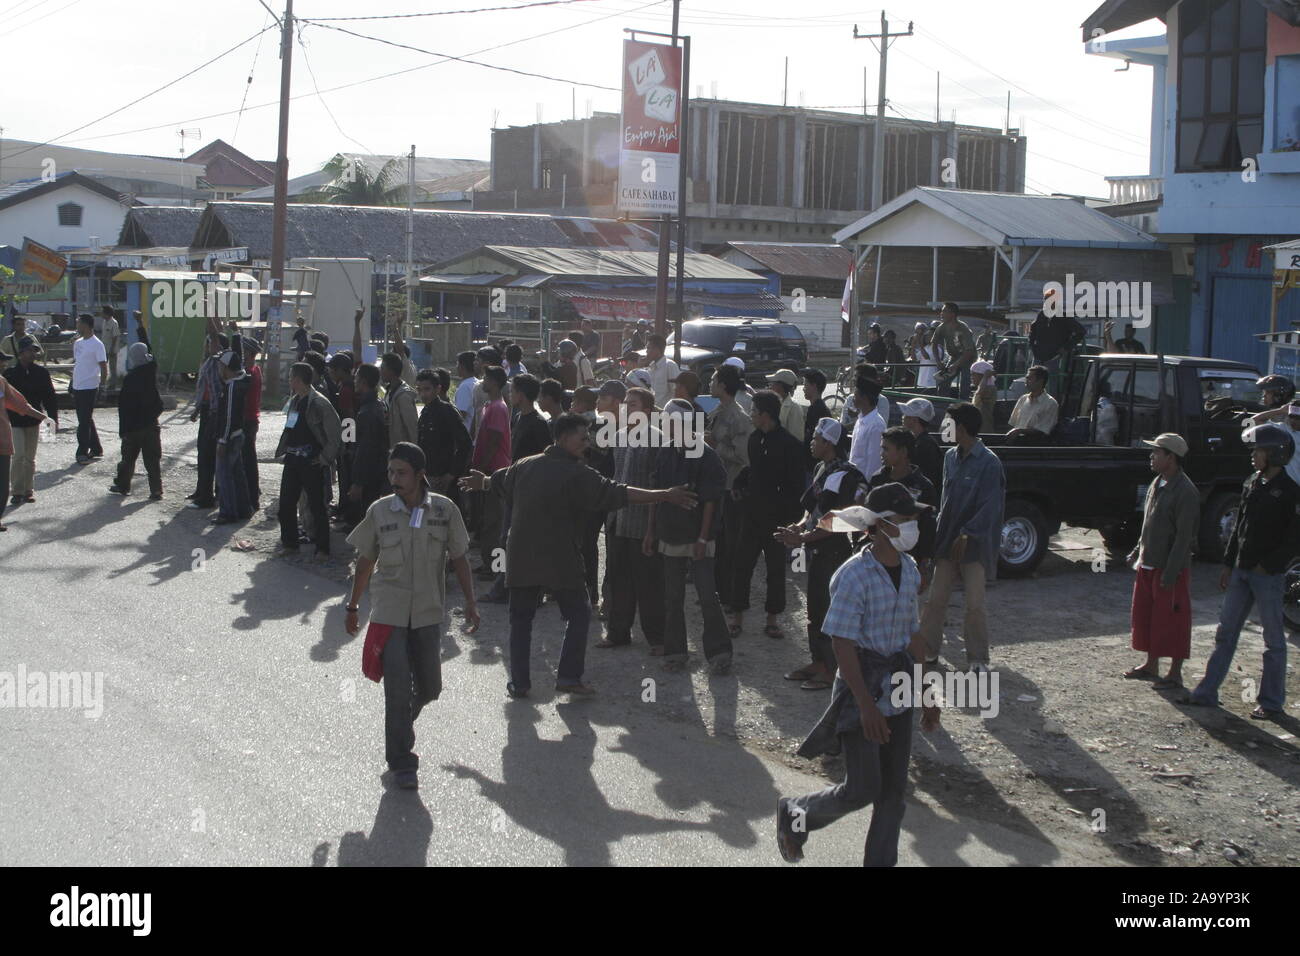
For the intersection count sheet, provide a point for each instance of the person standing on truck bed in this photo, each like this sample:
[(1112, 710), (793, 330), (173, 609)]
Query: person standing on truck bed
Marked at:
[(1036, 412), (1052, 338), (1255, 563), (958, 343), (968, 537), (1162, 604), (1275, 392), (1129, 343)]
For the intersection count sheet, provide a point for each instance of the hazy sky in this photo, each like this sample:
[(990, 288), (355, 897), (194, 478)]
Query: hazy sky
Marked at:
[(70, 62)]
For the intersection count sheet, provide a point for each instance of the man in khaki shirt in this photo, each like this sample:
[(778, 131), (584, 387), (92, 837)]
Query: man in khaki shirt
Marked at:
[(1035, 414), (728, 433), (403, 545)]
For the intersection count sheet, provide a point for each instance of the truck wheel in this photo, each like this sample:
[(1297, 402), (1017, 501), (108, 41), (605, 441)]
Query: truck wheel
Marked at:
[(1216, 525), (1291, 595), (1024, 539)]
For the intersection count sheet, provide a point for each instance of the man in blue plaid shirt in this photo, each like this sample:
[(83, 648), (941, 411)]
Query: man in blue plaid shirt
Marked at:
[(874, 625)]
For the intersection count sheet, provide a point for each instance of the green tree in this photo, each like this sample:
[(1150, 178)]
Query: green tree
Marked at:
[(355, 182)]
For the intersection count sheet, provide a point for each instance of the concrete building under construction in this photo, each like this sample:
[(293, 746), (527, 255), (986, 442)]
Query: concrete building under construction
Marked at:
[(755, 172)]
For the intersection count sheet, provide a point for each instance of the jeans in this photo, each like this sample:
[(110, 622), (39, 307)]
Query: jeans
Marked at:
[(573, 653), (823, 562), (636, 586), (975, 628), (412, 678), (1244, 589), (232, 487), (24, 464), (207, 451), (755, 539), (87, 436), (874, 774), (250, 463), (146, 441), (716, 638), (301, 476)]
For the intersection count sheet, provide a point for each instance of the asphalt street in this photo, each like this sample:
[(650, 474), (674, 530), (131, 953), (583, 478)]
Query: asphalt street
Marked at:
[(237, 728)]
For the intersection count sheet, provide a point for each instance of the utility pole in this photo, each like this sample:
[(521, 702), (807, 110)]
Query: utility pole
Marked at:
[(878, 146), (280, 211)]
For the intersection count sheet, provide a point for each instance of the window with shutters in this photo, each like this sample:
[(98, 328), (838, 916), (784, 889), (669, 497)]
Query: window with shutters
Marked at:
[(69, 214), (1220, 83)]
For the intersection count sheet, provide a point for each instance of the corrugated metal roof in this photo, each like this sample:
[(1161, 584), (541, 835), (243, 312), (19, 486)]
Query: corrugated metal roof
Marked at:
[(602, 263), (1015, 219), (758, 300), (804, 260)]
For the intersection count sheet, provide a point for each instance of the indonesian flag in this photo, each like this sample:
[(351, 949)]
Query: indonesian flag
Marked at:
[(846, 300)]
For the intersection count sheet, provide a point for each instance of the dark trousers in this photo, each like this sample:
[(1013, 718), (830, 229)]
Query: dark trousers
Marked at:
[(755, 539), (593, 524), (412, 678), (874, 774), (822, 564), (146, 442), (87, 435), (636, 585), (344, 468), (728, 538), (207, 451), (489, 534), (573, 653), (301, 476), (250, 463), (716, 638), (4, 482), (232, 486)]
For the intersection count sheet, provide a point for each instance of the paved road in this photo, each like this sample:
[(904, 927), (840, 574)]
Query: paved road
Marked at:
[(237, 728)]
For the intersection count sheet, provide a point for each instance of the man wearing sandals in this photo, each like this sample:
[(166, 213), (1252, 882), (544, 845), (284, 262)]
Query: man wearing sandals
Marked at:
[(1255, 560), (1162, 605), (874, 624)]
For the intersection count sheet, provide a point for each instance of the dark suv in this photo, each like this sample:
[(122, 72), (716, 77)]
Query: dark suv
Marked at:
[(765, 345)]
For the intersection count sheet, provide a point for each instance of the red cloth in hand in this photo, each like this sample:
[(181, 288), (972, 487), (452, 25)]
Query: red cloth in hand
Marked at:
[(372, 654)]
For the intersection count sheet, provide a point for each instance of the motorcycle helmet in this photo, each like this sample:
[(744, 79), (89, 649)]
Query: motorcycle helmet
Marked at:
[(1281, 386), (1274, 439)]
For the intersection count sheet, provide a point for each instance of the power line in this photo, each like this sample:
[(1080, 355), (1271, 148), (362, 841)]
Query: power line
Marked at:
[(449, 13), (46, 16), (316, 86), (257, 51), (141, 99), (372, 79)]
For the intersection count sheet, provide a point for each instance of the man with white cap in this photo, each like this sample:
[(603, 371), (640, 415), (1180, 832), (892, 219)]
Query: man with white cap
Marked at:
[(784, 383), (745, 395), (874, 624), (983, 390), (835, 485), (917, 415)]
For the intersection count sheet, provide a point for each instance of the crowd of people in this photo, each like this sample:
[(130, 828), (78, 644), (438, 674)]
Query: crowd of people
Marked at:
[(879, 523)]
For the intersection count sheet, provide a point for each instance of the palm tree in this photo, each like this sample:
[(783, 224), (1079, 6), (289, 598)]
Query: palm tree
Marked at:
[(354, 183)]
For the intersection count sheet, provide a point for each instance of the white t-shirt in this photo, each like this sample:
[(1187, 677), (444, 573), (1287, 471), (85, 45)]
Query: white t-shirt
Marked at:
[(864, 450), (86, 356), (929, 363), (663, 373), (465, 399)]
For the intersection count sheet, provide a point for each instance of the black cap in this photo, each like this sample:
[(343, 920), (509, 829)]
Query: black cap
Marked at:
[(893, 498), (340, 361), (27, 342)]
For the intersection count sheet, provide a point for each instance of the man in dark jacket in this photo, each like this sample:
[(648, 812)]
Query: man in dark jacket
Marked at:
[(770, 489), (814, 384), (686, 538), (33, 381), (370, 460), (1255, 563), (138, 408), (309, 444), (233, 501), (444, 439), (927, 455)]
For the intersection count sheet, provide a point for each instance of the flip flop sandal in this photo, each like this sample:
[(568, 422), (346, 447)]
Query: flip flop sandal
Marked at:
[(1165, 684), (1259, 713), (1139, 673), (803, 673), (773, 631), (815, 684)]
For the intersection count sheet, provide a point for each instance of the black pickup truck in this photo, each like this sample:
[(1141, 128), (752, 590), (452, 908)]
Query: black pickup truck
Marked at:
[(1083, 480)]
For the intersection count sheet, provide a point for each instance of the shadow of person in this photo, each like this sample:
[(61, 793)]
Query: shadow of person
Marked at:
[(1251, 739), (548, 787), (277, 591), (400, 836)]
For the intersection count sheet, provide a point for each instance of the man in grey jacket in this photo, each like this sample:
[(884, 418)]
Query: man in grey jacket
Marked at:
[(403, 419), (309, 445)]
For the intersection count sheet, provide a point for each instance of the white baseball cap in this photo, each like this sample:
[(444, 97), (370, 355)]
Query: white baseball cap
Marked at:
[(981, 368), (639, 378), (737, 362), (918, 408), (830, 430)]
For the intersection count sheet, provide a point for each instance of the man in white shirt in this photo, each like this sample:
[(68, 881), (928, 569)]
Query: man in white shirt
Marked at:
[(864, 450), (1035, 414), (111, 335), (1293, 423), (745, 396), (783, 383), (89, 371), (467, 369), (849, 413), (663, 370)]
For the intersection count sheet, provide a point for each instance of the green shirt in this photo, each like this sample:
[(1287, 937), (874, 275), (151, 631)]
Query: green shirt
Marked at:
[(409, 584)]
